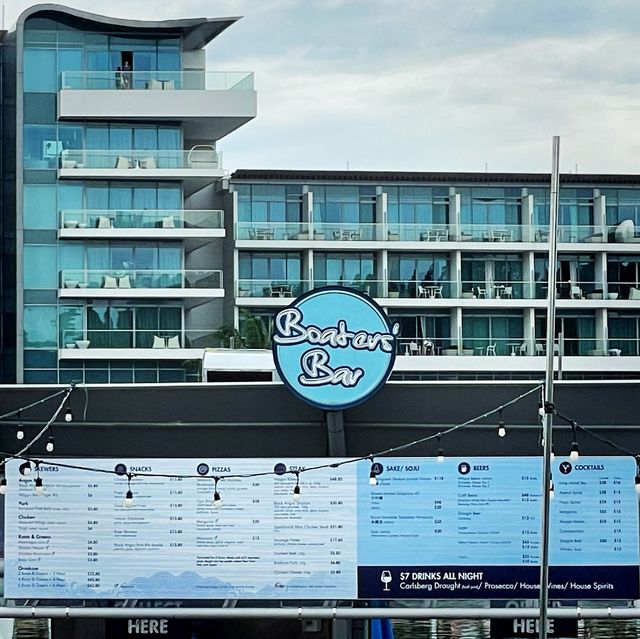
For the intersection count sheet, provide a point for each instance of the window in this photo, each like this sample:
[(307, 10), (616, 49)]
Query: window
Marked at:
[(417, 205), (40, 267), (489, 205), (482, 330), (269, 203), (407, 272), (40, 327)]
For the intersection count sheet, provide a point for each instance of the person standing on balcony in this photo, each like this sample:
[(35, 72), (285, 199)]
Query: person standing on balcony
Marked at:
[(119, 80), (126, 75)]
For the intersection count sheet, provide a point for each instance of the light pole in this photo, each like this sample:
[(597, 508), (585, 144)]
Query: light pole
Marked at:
[(547, 417)]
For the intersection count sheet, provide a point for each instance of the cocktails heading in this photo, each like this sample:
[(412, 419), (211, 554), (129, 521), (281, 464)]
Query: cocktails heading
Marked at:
[(334, 347)]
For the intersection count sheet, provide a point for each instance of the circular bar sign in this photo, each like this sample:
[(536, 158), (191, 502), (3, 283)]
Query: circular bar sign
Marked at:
[(334, 347)]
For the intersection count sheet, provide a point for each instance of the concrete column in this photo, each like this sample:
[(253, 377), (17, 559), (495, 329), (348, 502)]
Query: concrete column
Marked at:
[(382, 274), (307, 211), (454, 214), (307, 269), (528, 275), (528, 231), (529, 330), (381, 232), (600, 273), (455, 270), (456, 328), (601, 333), (600, 214)]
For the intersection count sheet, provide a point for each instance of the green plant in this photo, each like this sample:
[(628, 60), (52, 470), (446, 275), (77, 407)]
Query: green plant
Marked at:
[(228, 336), (254, 333)]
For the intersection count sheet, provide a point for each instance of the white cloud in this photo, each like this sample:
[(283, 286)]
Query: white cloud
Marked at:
[(427, 84)]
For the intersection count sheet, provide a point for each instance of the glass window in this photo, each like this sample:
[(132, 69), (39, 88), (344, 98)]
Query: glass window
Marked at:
[(40, 69), (40, 327), (41, 147), (40, 266), (40, 210), (70, 325)]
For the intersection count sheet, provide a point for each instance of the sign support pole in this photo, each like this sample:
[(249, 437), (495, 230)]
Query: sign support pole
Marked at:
[(548, 386)]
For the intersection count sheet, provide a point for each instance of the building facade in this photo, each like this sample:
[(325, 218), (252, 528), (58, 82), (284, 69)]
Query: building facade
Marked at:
[(118, 213), (458, 260)]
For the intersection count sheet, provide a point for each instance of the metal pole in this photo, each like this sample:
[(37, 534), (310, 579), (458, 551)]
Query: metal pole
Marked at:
[(59, 612), (548, 386)]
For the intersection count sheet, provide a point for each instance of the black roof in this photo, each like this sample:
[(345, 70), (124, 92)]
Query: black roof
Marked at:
[(432, 176)]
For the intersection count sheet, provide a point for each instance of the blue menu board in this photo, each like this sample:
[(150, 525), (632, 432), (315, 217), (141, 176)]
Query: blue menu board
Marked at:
[(464, 528), (477, 530)]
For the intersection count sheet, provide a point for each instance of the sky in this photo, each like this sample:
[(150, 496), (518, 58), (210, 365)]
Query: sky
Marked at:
[(424, 85)]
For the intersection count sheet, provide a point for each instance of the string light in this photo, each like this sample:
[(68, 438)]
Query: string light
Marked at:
[(20, 429), (217, 501), (128, 498), (39, 488), (3, 486), (296, 488), (575, 449), (502, 431), (50, 444), (25, 468), (637, 481), (552, 489), (440, 456), (373, 480), (68, 415)]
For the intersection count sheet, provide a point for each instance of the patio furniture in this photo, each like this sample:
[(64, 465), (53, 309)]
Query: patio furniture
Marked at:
[(491, 349), (482, 292), (173, 342), (158, 342), (575, 293), (202, 156)]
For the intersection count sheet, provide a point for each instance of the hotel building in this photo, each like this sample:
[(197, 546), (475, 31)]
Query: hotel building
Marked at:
[(113, 217)]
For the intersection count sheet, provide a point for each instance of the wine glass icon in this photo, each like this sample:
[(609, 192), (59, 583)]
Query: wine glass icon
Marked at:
[(386, 579)]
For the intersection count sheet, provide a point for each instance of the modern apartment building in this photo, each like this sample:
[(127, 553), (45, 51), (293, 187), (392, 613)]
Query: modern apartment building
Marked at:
[(111, 156), (459, 260)]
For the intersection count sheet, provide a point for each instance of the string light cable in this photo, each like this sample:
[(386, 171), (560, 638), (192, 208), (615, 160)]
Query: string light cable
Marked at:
[(388, 451)]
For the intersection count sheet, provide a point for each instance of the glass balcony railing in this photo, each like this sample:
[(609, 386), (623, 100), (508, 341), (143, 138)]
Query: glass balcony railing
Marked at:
[(489, 233), (507, 290), (373, 288), (420, 232), (141, 219), (348, 232), (272, 231), (421, 345), (566, 290), (270, 288), (158, 80), (425, 290), (160, 338), (570, 233), (199, 157), (131, 279)]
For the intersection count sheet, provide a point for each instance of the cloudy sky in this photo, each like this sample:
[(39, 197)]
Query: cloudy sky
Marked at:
[(425, 85)]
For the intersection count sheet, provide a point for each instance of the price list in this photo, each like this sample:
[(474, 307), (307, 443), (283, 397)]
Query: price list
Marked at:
[(78, 539)]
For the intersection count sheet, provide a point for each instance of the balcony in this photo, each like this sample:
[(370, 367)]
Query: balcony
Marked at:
[(269, 292), (141, 284), (208, 104), (196, 167), (166, 344), (304, 231), (141, 223)]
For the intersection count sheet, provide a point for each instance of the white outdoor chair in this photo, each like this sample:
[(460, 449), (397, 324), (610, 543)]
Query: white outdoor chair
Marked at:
[(482, 292), (507, 292), (523, 349), (422, 291), (576, 293), (158, 342), (491, 349), (173, 342)]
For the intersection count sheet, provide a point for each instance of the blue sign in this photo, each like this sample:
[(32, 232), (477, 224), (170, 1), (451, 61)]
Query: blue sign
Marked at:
[(334, 347)]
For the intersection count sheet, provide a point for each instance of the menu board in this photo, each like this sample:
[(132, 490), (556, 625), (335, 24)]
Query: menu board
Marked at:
[(467, 528)]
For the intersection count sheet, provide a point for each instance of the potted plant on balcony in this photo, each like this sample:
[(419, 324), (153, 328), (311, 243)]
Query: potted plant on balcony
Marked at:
[(229, 336)]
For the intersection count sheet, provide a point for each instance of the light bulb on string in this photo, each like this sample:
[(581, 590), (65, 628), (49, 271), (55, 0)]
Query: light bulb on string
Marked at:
[(20, 429), (440, 456), (553, 455), (50, 444), (552, 489), (68, 415), (373, 480), (638, 475), (217, 501), (25, 468), (3, 486), (296, 488), (502, 430), (128, 498), (39, 487), (575, 449)]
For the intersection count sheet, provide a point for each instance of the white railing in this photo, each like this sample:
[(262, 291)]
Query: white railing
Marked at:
[(139, 278), (141, 218), (199, 157)]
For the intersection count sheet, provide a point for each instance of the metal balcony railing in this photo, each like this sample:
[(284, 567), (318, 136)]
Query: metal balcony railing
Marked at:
[(141, 218), (141, 278)]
